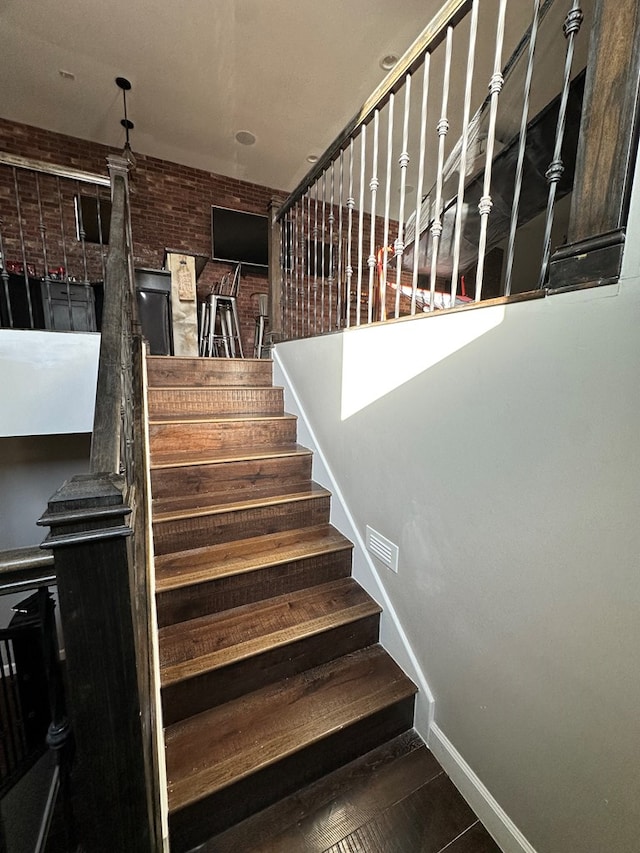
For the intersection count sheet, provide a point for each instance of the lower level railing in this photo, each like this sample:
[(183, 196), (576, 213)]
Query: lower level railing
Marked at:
[(35, 736)]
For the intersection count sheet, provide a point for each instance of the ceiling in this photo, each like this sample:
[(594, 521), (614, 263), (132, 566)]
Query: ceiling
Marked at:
[(292, 72)]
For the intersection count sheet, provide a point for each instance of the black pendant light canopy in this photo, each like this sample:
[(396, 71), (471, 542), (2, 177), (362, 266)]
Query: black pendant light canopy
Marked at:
[(125, 85)]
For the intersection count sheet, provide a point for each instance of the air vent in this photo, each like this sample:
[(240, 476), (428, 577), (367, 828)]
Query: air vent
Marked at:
[(382, 548)]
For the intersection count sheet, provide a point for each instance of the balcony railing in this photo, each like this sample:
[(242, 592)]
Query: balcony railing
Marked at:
[(454, 183), (54, 235)]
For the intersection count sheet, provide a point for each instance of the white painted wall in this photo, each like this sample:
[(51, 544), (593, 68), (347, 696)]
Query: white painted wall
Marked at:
[(499, 448), (32, 468), (48, 381)]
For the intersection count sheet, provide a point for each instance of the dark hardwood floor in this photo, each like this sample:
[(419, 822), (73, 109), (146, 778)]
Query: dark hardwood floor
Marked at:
[(395, 799)]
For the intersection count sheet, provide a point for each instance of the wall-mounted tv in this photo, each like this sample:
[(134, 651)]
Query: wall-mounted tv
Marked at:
[(239, 236)]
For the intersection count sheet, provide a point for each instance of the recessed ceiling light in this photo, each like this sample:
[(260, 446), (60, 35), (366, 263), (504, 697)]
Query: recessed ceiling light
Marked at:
[(387, 62), (312, 158), (66, 75), (245, 137), (408, 189)]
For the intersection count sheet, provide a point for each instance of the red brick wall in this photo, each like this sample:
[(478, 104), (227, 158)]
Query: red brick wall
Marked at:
[(171, 208)]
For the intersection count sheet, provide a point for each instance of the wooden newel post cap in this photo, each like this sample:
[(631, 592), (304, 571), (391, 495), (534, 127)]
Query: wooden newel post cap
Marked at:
[(85, 508)]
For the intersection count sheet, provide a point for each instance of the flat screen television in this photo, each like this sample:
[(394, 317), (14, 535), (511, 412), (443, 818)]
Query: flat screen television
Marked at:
[(239, 236)]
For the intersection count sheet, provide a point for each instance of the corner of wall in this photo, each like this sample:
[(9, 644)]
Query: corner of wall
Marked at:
[(493, 816)]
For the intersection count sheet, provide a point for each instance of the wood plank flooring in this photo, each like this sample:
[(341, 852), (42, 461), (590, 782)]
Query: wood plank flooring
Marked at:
[(395, 799)]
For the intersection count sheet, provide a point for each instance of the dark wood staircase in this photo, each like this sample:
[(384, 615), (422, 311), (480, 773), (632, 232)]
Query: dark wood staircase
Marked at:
[(271, 671)]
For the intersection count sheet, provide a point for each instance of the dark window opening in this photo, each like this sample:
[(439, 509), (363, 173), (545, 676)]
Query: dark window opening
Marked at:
[(93, 217)]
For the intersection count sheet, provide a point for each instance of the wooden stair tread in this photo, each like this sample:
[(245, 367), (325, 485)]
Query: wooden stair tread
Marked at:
[(218, 747), (227, 499), (184, 458), (188, 567), (220, 639), (217, 418), (186, 388), (194, 506)]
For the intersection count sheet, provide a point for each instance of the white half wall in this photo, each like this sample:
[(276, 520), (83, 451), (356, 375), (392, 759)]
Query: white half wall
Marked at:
[(48, 381), (499, 449)]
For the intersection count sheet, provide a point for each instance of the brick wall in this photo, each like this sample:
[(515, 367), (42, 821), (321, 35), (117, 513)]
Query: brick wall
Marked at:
[(170, 208)]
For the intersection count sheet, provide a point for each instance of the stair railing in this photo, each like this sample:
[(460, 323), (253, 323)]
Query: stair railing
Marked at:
[(99, 533), (419, 203), (32, 703)]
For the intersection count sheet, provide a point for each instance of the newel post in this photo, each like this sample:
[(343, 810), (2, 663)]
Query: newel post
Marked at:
[(89, 537), (275, 273), (607, 150)]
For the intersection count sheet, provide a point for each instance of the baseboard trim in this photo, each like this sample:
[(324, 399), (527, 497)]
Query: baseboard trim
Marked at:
[(392, 635), (498, 823)]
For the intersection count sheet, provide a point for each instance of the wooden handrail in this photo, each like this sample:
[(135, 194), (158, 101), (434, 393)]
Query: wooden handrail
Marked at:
[(18, 162), (25, 568), (105, 442)]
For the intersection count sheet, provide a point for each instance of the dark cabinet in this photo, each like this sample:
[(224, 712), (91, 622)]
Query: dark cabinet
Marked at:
[(153, 293), (34, 303)]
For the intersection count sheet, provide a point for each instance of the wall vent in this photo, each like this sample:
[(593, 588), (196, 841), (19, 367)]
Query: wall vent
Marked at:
[(382, 548)]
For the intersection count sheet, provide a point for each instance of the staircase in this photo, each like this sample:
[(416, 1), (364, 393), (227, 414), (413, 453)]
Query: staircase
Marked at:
[(270, 669)]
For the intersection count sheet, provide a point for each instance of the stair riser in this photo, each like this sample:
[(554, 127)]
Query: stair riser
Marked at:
[(165, 402), (203, 372), (214, 688), (221, 437), (171, 536), (196, 823), (189, 602), (240, 477)]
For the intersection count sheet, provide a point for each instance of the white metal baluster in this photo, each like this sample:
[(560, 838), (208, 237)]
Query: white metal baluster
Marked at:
[(443, 129), (25, 270), (340, 237), (374, 183), (473, 31), (349, 268), (522, 144), (308, 250), (331, 221), (485, 204), (363, 157), (296, 260), (82, 234), (87, 287), (293, 267), (43, 239), (323, 243), (387, 207), (284, 269), (571, 28), (5, 279), (315, 258), (100, 237), (303, 268), (64, 254), (403, 161), (423, 143)]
